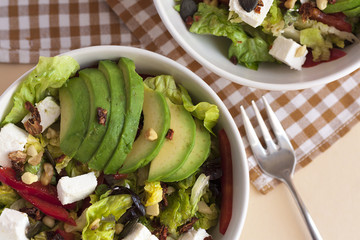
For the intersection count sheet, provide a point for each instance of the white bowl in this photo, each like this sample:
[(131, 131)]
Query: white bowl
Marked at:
[(151, 63), (211, 52)]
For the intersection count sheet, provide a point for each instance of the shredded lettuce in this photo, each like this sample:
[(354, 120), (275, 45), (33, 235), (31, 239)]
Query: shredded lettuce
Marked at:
[(7, 196), (207, 221), (165, 84), (273, 22), (108, 210), (198, 190), (49, 74), (311, 37)]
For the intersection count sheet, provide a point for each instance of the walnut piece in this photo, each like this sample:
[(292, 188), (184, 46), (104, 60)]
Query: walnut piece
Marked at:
[(32, 125)]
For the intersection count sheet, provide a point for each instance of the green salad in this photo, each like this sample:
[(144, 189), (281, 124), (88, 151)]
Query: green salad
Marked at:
[(299, 33), (106, 153)]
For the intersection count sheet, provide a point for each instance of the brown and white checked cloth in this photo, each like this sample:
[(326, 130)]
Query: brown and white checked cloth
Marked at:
[(313, 118)]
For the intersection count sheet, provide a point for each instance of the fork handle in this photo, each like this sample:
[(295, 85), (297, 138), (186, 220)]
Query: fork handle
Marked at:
[(314, 232)]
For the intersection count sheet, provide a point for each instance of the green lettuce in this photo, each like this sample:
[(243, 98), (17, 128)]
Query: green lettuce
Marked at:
[(198, 190), (207, 221), (178, 211), (108, 210), (7, 196), (248, 45), (273, 22), (312, 38), (209, 113), (49, 74)]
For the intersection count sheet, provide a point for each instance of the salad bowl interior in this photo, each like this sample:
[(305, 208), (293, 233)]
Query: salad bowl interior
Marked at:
[(154, 64), (211, 52)]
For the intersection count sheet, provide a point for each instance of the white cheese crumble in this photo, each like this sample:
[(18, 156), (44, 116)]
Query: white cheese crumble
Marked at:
[(76, 188), (12, 138), (252, 18), (13, 224)]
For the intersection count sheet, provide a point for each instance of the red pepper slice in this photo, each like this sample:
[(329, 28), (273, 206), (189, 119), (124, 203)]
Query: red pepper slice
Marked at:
[(48, 208), (226, 181), (47, 193), (334, 54)]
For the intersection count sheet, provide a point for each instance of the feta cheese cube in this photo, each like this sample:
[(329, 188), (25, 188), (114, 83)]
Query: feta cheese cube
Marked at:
[(76, 188), (192, 234), (285, 50), (12, 138), (252, 18), (49, 112), (13, 224), (140, 232)]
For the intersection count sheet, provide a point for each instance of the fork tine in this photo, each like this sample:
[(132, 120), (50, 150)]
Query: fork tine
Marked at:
[(277, 128), (271, 147), (251, 134)]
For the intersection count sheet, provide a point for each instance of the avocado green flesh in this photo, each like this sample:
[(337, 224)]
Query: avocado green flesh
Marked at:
[(197, 156), (174, 152), (99, 97), (115, 81), (75, 111), (353, 12), (156, 116), (134, 101), (341, 6)]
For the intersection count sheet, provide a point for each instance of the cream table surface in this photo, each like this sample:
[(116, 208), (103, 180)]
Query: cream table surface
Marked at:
[(329, 186)]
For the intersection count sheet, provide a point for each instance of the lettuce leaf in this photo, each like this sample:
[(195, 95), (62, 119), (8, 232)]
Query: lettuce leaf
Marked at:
[(114, 206), (209, 113), (199, 189), (49, 74), (7, 196), (207, 221), (248, 45), (154, 193), (273, 22), (312, 38)]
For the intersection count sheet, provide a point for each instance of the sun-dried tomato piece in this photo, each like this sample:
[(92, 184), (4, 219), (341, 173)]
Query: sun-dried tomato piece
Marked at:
[(32, 212), (101, 115), (161, 232), (187, 226), (60, 159), (170, 134)]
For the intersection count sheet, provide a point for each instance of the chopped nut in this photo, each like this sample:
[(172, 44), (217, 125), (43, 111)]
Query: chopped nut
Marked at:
[(32, 125), (47, 174), (29, 178), (35, 160), (300, 51), (151, 134), (289, 4), (31, 151), (170, 134), (48, 221), (101, 114), (170, 190), (321, 4), (153, 210), (17, 156), (95, 224), (118, 228), (51, 133)]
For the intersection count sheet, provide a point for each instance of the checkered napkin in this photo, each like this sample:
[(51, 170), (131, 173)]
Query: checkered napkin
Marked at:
[(314, 118)]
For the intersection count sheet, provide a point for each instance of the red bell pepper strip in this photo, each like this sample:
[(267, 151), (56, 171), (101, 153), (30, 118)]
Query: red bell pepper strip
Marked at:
[(48, 208), (226, 182), (47, 193), (334, 54)]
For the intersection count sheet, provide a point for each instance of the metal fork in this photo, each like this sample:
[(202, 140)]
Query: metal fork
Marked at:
[(278, 158)]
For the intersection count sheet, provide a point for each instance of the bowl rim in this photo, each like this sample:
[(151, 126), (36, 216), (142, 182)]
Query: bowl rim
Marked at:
[(125, 50), (244, 81)]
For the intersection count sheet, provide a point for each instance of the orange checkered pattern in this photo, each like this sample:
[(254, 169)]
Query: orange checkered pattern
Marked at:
[(313, 118)]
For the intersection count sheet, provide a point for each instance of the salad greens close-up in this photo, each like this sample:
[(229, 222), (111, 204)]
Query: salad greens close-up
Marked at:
[(107, 153), (299, 33)]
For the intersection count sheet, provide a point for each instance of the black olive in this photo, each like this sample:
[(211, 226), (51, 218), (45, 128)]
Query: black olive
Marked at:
[(188, 8), (127, 228), (140, 208), (248, 5), (34, 229)]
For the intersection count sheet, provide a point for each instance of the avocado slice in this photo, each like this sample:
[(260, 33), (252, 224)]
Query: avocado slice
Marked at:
[(99, 97), (75, 110), (134, 101), (353, 12), (341, 6), (156, 116), (116, 84), (197, 156), (174, 152)]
